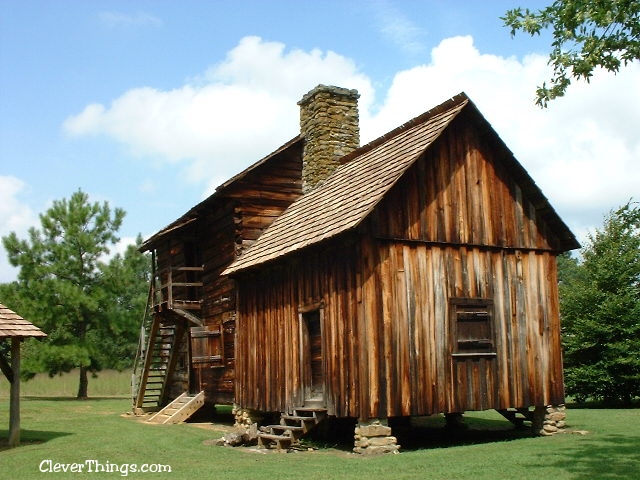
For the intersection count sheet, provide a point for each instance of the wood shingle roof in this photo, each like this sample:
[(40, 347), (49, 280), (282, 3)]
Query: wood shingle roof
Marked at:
[(13, 325), (346, 198)]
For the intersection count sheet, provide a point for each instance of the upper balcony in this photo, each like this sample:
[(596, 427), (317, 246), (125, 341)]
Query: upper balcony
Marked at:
[(178, 288)]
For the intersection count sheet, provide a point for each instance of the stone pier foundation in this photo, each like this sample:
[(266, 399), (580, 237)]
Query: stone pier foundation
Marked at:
[(244, 417), (549, 420), (374, 437)]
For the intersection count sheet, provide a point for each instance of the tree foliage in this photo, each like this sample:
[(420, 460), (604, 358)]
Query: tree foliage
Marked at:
[(85, 305), (586, 34), (600, 305), (126, 280)]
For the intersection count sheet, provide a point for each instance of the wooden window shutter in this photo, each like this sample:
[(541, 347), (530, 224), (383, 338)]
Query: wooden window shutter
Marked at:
[(207, 345), (472, 327)]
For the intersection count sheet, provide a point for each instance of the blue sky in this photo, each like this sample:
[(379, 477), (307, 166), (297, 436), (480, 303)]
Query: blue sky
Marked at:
[(151, 104)]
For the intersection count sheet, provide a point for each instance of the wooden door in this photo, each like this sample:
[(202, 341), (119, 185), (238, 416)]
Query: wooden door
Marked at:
[(473, 355), (312, 356), (207, 354)]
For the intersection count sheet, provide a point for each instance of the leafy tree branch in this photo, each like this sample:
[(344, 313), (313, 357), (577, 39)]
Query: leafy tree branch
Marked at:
[(586, 34)]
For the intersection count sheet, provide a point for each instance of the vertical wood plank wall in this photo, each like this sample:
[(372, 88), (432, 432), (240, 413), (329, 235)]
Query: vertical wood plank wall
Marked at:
[(268, 369), (225, 226), (456, 225), (390, 354)]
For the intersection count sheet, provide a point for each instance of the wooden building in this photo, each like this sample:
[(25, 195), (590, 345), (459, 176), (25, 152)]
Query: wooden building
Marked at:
[(188, 340), (15, 329), (415, 276)]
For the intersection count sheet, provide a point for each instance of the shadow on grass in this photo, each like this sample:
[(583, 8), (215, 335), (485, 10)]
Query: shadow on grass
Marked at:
[(30, 437), (431, 432), (609, 457), (69, 399), (420, 433), (220, 415)]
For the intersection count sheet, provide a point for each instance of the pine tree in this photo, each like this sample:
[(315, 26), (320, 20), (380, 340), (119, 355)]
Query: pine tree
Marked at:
[(61, 282)]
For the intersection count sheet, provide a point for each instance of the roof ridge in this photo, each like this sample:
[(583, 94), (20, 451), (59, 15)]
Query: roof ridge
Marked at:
[(319, 225), (423, 117)]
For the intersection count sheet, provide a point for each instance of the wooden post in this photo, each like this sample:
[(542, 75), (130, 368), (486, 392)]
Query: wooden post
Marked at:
[(14, 408)]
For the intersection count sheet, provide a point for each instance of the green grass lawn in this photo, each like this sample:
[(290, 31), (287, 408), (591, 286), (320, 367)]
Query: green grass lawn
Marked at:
[(108, 383), (68, 431)]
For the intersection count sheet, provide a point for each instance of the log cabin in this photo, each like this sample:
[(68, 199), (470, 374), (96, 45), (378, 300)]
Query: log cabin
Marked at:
[(415, 275), (187, 343)]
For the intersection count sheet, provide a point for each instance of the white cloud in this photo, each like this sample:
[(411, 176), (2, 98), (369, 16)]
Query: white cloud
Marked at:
[(582, 151), (15, 216), (120, 247), (235, 113), (86, 122)]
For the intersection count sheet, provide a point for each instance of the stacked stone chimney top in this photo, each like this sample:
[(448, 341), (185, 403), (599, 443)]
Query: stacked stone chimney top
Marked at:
[(329, 125), (329, 90)]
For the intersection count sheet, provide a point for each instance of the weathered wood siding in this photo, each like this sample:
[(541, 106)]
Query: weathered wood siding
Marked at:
[(410, 359), (457, 225), (269, 373), (216, 237), (223, 227), (460, 192), (386, 321)]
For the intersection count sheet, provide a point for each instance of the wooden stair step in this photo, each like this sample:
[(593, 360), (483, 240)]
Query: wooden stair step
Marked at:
[(310, 409), (298, 418), (310, 413), (292, 428), (273, 436), (281, 441), (293, 431), (180, 409), (517, 416)]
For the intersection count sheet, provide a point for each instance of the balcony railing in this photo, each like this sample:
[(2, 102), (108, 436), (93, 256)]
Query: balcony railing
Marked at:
[(178, 288)]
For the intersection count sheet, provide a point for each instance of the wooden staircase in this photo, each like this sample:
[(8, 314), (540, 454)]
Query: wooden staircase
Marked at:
[(156, 367), (517, 416), (292, 427), (163, 328), (180, 409)]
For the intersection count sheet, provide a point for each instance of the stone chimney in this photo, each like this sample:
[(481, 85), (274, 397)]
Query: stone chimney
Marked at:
[(329, 125)]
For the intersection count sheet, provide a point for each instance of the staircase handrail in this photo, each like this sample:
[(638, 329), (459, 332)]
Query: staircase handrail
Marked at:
[(147, 358), (135, 385)]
